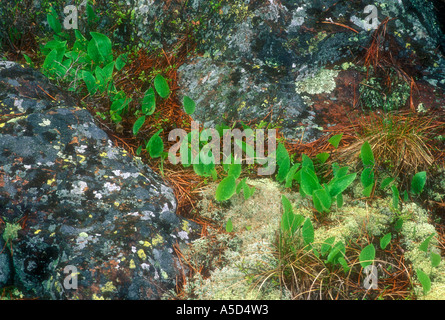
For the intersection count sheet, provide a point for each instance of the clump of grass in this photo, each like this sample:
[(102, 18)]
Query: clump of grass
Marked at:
[(297, 268), (402, 143)]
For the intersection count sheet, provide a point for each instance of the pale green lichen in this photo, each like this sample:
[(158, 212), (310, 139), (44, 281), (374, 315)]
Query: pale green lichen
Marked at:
[(322, 82), (414, 232), (247, 250)]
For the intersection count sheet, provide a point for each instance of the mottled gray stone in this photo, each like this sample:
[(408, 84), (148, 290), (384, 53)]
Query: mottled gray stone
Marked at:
[(85, 203)]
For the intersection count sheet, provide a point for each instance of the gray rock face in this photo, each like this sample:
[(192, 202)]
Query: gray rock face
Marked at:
[(253, 54), (257, 53), (83, 203)]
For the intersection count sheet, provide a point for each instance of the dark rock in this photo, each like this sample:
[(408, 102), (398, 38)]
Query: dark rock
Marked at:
[(252, 54), (5, 265), (256, 53), (84, 202)]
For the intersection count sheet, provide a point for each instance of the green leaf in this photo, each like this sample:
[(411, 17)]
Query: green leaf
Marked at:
[(395, 197), (327, 245), (99, 48), (240, 185), (344, 264), (90, 82), (367, 177), (138, 124), (336, 252), (291, 174), (79, 36), (226, 188), (205, 168), (281, 153), (398, 225), (108, 71), (385, 240), (367, 255), (322, 157), (335, 140), (424, 280), (149, 102), (386, 183), (155, 145), (283, 169), (425, 243), (54, 44), (189, 105), (229, 226), (339, 200), (418, 182), (119, 104), (309, 181), (101, 79), (50, 61), (161, 86), (121, 61), (53, 21), (308, 232), (339, 172), (366, 155), (28, 59), (139, 150), (235, 170), (368, 190), (247, 191), (337, 185), (435, 259), (289, 221), (405, 196), (322, 200), (91, 15), (307, 162)]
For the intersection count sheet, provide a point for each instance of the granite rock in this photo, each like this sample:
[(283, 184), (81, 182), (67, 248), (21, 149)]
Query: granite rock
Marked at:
[(83, 204)]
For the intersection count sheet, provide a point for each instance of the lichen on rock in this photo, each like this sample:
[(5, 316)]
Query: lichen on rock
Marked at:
[(86, 202)]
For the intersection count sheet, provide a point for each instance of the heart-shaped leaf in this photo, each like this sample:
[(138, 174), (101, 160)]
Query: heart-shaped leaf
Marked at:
[(327, 245), (161, 86), (367, 155), (138, 124), (322, 157), (189, 105), (385, 240), (308, 232), (322, 200), (386, 182), (99, 48), (226, 188), (155, 145), (424, 280), (418, 182), (367, 255), (53, 21), (149, 102), (229, 226), (435, 259), (335, 140), (337, 185), (309, 182)]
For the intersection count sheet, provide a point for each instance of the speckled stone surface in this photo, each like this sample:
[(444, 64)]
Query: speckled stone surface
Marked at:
[(82, 202)]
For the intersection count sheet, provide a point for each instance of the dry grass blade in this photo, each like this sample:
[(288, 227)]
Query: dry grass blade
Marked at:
[(400, 142)]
